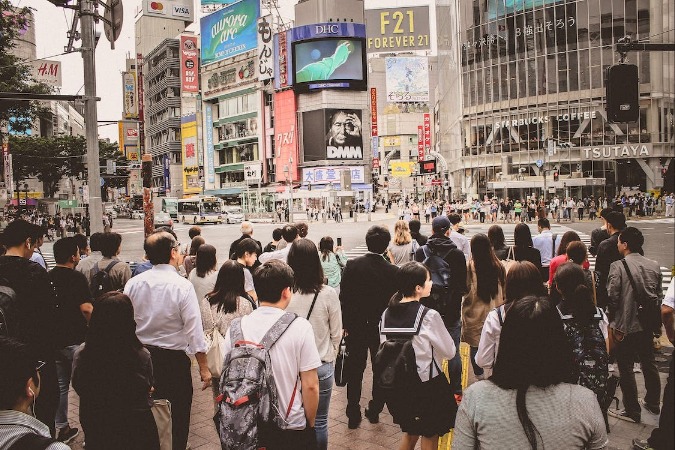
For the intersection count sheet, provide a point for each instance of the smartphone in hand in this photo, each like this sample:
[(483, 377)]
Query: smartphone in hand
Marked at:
[(339, 242)]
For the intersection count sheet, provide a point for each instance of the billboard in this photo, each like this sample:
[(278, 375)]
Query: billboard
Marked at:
[(407, 79), (499, 8), (188, 133), (286, 143), (401, 169), (265, 52), (230, 31), (130, 96), (332, 134), (402, 29), (189, 61), (182, 10), (331, 174), (46, 71), (330, 63)]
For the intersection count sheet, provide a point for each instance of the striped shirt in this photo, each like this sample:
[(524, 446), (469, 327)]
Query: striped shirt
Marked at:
[(14, 424)]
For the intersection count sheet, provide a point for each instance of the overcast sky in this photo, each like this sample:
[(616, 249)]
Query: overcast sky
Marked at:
[(51, 25)]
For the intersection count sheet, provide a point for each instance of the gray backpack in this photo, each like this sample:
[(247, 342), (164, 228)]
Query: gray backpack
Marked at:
[(248, 394)]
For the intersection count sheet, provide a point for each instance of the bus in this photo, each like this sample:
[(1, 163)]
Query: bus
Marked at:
[(170, 206), (200, 210)]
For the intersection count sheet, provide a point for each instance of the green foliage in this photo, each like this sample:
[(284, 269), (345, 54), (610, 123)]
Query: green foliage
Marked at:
[(51, 159), (15, 73)]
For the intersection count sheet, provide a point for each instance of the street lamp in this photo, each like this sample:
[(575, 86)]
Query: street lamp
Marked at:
[(289, 180)]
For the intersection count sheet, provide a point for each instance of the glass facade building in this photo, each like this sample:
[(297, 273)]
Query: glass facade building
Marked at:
[(533, 96)]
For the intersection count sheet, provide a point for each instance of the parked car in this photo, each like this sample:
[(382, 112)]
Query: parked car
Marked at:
[(163, 219), (233, 214)]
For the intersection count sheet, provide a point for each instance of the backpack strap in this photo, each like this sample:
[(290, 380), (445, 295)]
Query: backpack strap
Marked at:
[(554, 237), (639, 295), (110, 266), (32, 441), (279, 328), (236, 335), (500, 316), (312, 306)]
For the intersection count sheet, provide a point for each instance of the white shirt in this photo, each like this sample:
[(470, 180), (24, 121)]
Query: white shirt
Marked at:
[(669, 299), (281, 255), (489, 342), (294, 352), (203, 285), (38, 258), (462, 243), (166, 310), (544, 243)]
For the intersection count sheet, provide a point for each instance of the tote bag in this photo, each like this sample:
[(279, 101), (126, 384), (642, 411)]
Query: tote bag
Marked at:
[(216, 342), (161, 411)]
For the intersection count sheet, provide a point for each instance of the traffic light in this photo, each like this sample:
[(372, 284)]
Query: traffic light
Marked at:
[(622, 91), (555, 176)]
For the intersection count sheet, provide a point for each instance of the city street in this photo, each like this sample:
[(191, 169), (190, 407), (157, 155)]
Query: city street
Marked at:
[(385, 435)]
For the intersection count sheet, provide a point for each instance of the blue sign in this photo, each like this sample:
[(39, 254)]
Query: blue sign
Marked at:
[(540, 163), (328, 30), (209, 145), (230, 31)]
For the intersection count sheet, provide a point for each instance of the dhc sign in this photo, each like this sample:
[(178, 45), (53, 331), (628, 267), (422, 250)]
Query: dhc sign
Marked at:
[(327, 29)]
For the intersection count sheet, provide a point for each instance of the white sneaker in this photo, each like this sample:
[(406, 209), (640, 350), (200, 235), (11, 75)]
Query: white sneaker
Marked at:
[(637, 368), (611, 367)]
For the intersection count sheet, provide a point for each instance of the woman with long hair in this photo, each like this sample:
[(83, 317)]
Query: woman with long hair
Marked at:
[(485, 279), (528, 402), (191, 259), (320, 305), (524, 250), (333, 260), (403, 246), (204, 275), (112, 374), (427, 408), (565, 241), (227, 301), (522, 279), (498, 241)]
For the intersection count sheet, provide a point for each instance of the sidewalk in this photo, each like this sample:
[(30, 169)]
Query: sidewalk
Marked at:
[(382, 436)]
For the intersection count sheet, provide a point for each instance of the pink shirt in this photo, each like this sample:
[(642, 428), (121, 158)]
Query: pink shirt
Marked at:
[(555, 262)]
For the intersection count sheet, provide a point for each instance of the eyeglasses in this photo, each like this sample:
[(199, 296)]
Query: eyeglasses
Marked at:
[(39, 365)]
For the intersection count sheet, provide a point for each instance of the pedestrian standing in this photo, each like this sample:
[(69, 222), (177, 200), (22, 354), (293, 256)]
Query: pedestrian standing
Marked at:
[(403, 246), (203, 276), (333, 261)]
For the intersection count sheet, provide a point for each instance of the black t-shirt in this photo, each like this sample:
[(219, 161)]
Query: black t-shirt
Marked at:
[(72, 291)]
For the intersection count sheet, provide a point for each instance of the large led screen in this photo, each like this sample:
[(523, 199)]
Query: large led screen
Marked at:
[(330, 63), (500, 8)]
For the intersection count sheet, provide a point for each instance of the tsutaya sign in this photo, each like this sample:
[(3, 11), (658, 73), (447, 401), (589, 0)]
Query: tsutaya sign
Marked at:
[(617, 151)]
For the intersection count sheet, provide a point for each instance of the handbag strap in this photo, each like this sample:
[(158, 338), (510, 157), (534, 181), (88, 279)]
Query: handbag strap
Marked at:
[(312, 306), (632, 284), (510, 254)]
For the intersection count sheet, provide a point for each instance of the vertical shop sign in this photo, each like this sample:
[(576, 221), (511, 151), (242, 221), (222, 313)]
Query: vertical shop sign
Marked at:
[(427, 133), (373, 111), (265, 51), (420, 143), (210, 172), (189, 63)]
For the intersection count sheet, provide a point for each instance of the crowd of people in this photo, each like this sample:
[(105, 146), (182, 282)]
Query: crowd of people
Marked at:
[(264, 325)]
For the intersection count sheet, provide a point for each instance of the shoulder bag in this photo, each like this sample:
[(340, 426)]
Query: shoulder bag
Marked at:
[(649, 312), (214, 355), (161, 411), (510, 260)]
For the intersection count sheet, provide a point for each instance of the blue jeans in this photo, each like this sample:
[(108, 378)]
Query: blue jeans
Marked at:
[(477, 370), (326, 379), (455, 364), (64, 368)]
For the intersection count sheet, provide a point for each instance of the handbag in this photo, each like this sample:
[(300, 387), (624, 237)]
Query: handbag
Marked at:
[(161, 411), (649, 312), (510, 260), (341, 364), (214, 354)]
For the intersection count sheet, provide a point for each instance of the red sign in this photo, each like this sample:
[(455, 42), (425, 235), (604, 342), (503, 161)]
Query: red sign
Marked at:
[(373, 111), (376, 163), (436, 182), (132, 133), (427, 132), (283, 61), (141, 102), (420, 143), (286, 142), (189, 64)]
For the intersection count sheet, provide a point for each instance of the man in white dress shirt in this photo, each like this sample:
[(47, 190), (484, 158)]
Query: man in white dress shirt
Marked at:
[(461, 241), (546, 242), (169, 324)]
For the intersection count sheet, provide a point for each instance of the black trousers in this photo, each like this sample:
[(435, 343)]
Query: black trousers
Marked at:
[(272, 438), (114, 430), (639, 343), (173, 382), (663, 437), (358, 345), (48, 401)]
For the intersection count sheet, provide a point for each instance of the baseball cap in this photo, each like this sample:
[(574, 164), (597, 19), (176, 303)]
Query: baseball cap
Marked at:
[(440, 223)]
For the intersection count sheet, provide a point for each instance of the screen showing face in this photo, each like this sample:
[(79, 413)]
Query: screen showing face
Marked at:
[(328, 59)]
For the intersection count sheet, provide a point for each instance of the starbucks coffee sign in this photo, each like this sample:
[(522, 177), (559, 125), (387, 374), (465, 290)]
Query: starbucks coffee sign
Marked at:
[(617, 151)]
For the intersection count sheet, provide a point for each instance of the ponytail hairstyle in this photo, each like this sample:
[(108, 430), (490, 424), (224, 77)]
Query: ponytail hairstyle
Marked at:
[(410, 275), (326, 247), (571, 282)]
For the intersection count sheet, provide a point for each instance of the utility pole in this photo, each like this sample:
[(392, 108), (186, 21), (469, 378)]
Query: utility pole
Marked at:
[(87, 13)]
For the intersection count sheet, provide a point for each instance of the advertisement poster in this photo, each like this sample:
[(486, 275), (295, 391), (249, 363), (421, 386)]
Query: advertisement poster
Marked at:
[(285, 137), (130, 96), (401, 29), (344, 134), (407, 79), (189, 60), (401, 169), (188, 130), (329, 59), (182, 10), (230, 31), (208, 133), (265, 51)]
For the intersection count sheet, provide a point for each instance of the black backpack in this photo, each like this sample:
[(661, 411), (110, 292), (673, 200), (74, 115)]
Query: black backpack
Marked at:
[(395, 366), (9, 314), (32, 441), (100, 280), (441, 277)]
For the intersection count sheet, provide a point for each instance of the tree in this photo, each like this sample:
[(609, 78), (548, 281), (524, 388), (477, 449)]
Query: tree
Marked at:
[(15, 73), (52, 159)]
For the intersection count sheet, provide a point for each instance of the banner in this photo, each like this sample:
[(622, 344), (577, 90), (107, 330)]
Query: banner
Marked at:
[(420, 143), (401, 169), (286, 143), (373, 111), (208, 132), (427, 132), (230, 31), (396, 30), (189, 60), (188, 133), (265, 51), (130, 95), (407, 79)]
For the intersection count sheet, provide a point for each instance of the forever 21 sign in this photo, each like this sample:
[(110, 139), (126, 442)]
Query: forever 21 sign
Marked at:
[(397, 29)]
